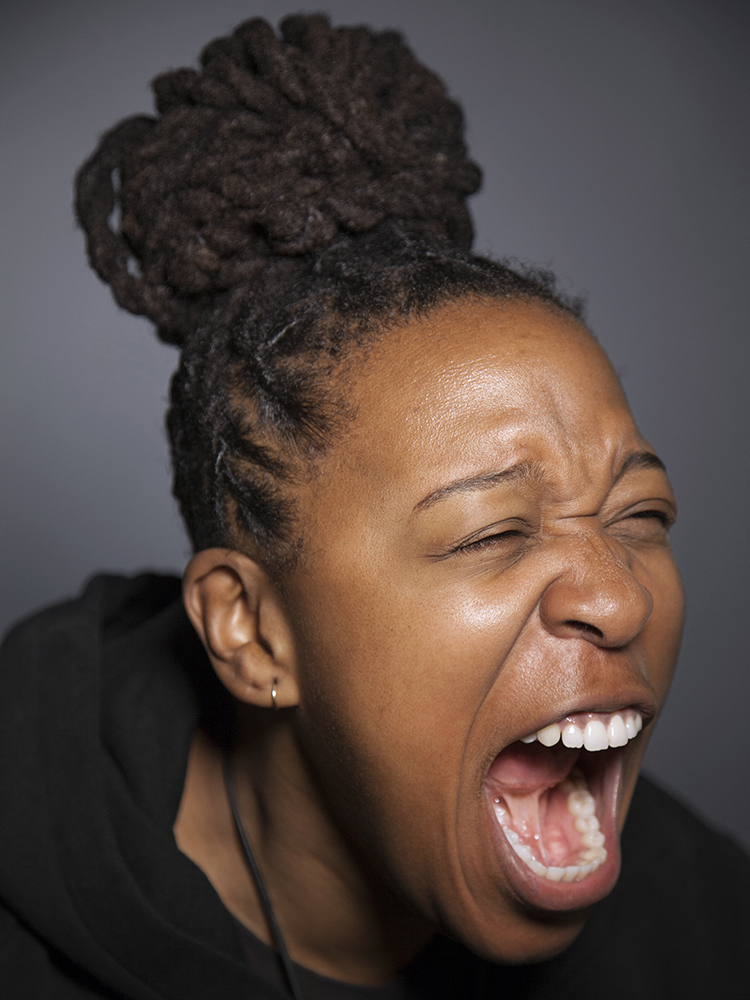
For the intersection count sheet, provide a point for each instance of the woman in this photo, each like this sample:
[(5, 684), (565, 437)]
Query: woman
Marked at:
[(432, 578)]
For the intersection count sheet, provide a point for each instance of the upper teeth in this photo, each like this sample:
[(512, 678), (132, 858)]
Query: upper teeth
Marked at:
[(595, 735)]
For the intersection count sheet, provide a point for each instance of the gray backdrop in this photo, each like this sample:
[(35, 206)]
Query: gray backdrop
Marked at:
[(614, 140)]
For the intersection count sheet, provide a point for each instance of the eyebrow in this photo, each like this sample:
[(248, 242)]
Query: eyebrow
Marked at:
[(522, 470), (640, 460), (526, 470)]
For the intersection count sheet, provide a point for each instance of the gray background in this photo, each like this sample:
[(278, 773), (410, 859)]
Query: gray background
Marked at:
[(614, 140)]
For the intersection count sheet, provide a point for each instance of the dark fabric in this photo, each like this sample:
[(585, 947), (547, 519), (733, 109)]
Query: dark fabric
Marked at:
[(98, 701)]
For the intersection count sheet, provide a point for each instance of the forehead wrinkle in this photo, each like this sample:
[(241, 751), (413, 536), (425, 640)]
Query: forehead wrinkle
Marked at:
[(486, 481)]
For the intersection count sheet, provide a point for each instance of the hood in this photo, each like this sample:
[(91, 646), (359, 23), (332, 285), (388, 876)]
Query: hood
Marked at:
[(99, 698)]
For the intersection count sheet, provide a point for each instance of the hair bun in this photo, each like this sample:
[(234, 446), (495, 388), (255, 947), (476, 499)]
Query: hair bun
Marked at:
[(275, 147)]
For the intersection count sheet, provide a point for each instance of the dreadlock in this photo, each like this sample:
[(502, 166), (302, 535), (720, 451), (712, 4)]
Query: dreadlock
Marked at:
[(293, 198)]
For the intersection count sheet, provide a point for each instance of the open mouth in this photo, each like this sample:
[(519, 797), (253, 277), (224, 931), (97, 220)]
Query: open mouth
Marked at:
[(554, 794)]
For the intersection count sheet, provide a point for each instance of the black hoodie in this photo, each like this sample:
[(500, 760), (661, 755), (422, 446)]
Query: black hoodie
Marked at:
[(99, 698)]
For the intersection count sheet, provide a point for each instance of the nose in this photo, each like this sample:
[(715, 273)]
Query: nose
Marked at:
[(596, 596)]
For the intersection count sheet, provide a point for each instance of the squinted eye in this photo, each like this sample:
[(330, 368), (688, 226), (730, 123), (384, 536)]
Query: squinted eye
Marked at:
[(648, 525), (658, 515), (509, 539)]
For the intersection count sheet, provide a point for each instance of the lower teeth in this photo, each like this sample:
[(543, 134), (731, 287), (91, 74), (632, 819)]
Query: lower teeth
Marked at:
[(581, 804)]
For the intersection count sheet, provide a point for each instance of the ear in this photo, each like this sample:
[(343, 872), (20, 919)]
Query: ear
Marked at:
[(240, 616)]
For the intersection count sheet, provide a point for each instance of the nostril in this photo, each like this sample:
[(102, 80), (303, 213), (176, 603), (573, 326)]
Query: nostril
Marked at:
[(606, 605), (586, 627)]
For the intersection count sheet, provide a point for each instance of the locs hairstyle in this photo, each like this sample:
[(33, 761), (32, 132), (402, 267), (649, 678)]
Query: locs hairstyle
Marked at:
[(294, 198)]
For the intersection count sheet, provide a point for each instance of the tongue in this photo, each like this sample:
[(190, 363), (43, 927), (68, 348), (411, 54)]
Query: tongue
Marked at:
[(531, 767), (524, 778)]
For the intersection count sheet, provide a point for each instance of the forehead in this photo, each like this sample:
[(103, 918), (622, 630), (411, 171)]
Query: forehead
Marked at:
[(475, 383)]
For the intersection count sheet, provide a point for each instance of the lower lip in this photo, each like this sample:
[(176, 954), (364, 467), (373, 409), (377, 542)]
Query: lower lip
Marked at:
[(540, 893)]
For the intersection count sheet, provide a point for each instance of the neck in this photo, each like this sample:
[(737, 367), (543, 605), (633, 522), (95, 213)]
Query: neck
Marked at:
[(336, 919)]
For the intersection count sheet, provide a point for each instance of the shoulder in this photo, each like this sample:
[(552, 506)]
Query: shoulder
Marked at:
[(678, 922), (106, 604), (665, 842), (29, 969)]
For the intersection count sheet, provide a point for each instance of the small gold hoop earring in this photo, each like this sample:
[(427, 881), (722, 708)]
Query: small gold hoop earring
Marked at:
[(273, 696)]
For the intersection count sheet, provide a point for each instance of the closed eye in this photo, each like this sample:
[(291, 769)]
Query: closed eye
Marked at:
[(649, 524), (505, 538), (660, 515), (499, 538)]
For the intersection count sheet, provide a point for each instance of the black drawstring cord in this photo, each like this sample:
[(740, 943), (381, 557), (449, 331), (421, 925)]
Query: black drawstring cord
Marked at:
[(286, 962), (284, 959)]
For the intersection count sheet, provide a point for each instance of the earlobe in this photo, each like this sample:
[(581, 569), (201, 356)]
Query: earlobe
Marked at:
[(239, 614)]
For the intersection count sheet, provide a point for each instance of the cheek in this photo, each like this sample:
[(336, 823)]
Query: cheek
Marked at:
[(663, 632), (391, 683), (395, 679), (406, 659), (391, 677)]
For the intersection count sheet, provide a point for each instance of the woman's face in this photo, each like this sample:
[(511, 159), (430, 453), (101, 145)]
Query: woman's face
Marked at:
[(486, 556)]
